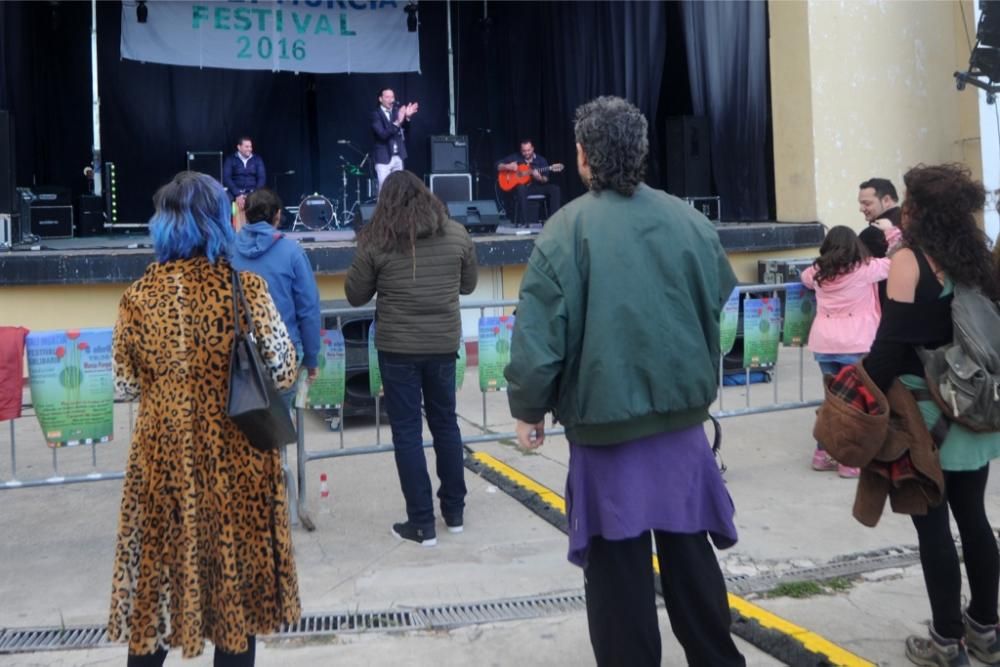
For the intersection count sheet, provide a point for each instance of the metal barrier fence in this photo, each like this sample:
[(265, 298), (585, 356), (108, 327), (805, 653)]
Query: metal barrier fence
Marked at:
[(297, 484)]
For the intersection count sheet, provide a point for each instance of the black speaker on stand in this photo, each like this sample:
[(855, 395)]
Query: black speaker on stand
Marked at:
[(91, 219), (689, 156)]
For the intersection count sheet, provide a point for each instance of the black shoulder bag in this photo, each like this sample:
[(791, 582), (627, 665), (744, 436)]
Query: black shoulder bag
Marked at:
[(254, 402)]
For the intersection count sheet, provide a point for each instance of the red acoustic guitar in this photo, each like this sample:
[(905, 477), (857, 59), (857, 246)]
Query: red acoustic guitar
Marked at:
[(511, 179)]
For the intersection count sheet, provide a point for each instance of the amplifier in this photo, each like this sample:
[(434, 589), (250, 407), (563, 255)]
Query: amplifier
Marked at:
[(52, 222), (710, 207), (777, 271), (449, 154), (452, 187), (47, 195), (207, 162)]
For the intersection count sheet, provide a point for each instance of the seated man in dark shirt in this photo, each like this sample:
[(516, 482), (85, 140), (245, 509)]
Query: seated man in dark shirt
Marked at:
[(243, 172), (523, 174)]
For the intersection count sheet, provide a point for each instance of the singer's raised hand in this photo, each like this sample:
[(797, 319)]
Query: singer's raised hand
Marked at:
[(401, 115)]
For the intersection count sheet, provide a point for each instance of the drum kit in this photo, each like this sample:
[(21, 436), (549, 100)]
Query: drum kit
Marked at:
[(316, 212)]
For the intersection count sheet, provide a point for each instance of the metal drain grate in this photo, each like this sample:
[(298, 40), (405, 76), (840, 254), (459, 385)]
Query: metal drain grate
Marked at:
[(503, 610), (24, 640), (319, 624)]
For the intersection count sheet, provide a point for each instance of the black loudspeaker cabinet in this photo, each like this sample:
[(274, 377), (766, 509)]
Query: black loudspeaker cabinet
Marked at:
[(689, 156), (8, 200), (479, 216), (52, 222), (357, 395), (452, 187), (449, 154), (207, 162), (91, 219)]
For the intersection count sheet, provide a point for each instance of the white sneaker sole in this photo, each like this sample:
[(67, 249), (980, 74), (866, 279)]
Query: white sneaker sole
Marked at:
[(426, 543), (456, 529)]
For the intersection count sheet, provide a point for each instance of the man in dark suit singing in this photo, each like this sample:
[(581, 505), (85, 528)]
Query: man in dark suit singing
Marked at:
[(389, 123)]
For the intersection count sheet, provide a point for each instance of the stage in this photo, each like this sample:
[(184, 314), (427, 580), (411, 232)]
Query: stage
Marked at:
[(122, 258)]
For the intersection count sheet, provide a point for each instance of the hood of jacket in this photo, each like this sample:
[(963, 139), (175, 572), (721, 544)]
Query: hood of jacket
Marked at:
[(257, 238)]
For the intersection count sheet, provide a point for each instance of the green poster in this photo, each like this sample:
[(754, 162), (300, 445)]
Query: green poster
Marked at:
[(761, 330), (800, 309), (460, 365), (494, 351), (327, 390), (374, 376), (72, 386), (729, 321)]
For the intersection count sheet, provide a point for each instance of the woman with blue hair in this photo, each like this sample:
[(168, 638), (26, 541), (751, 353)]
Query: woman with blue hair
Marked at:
[(204, 548)]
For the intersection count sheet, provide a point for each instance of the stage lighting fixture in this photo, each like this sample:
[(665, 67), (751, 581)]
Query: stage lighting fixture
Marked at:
[(411, 16), (141, 11)]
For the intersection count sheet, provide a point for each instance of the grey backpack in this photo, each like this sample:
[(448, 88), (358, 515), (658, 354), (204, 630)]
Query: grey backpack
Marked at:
[(964, 375)]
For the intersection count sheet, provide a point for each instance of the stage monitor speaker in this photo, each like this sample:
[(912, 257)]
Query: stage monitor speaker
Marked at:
[(91, 216), (8, 200), (689, 159), (449, 154), (479, 216), (207, 162), (452, 187)]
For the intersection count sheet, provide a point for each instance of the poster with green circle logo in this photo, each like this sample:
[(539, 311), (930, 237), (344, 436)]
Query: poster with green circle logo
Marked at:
[(460, 365), (729, 322), (494, 351), (761, 331), (374, 376), (800, 310), (72, 385), (327, 389)]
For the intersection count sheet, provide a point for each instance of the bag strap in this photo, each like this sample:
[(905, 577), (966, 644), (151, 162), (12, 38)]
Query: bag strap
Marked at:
[(717, 444), (240, 298)]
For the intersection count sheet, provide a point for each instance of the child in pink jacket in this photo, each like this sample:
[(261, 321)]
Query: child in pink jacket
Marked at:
[(845, 279)]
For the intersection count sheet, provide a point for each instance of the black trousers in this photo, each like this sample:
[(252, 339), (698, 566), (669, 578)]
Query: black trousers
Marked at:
[(939, 558), (621, 601), (221, 658)]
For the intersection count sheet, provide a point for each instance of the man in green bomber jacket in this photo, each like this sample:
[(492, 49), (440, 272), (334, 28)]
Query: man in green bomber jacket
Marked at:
[(617, 334)]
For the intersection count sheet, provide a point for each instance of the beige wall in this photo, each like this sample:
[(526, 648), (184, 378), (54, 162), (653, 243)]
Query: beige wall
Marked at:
[(44, 307), (863, 89)]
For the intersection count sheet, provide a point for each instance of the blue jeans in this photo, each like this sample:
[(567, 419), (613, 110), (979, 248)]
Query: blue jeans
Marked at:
[(406, 378), (830, 364)]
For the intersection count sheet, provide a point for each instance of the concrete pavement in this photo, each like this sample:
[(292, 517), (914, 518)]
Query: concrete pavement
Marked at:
[(57, 545)]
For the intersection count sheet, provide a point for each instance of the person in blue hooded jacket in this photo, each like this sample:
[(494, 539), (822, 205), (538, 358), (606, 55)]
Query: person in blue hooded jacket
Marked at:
[(262, 249)]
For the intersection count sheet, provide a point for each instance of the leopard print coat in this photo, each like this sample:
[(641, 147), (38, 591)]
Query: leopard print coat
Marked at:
[(204, 548)]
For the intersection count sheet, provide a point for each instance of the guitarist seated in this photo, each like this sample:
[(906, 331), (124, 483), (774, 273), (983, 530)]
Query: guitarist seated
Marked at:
[(527, 173)]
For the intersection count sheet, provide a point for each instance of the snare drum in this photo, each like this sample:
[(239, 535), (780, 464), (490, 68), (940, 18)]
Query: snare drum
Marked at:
[(316, 212)]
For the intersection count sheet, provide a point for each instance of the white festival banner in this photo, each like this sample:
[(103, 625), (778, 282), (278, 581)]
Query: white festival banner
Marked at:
[(320, 36)]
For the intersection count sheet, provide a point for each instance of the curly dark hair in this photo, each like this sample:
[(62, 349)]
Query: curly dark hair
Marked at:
[(840, 254), (614, 135), (939, 219), (405, 210)]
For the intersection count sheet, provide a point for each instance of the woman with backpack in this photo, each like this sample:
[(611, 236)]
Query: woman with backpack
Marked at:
[(943, 248), (845, 278)]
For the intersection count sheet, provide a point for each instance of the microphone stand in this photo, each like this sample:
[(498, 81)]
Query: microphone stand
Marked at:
[(343, 172)]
